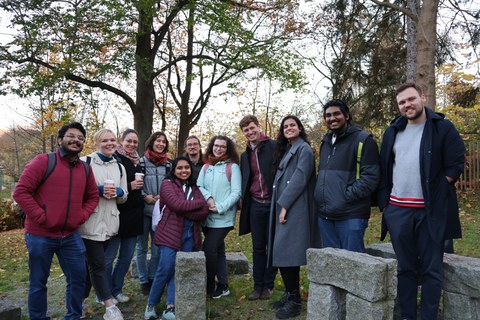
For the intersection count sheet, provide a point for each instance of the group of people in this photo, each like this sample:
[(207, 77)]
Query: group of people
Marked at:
[(95, 209)]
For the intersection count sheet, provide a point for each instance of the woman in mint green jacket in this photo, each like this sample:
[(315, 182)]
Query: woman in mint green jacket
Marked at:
[(220, 182)]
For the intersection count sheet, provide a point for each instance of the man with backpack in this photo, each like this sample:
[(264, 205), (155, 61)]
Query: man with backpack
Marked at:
[(57, 192), (348, 175)]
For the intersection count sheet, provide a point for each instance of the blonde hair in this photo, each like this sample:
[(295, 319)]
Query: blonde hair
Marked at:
[(97, 136)]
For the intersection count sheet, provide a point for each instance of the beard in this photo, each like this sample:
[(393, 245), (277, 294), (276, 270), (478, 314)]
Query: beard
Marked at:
[(66, 146)]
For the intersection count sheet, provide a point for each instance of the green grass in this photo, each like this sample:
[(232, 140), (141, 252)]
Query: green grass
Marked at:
[(14, 273)]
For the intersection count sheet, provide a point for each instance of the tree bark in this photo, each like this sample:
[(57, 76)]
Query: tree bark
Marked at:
[(426, 41)]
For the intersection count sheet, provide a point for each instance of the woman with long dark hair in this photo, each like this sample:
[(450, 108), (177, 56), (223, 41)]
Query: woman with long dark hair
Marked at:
[(155, 166), (220, 182), (183, 208), (292, 214)]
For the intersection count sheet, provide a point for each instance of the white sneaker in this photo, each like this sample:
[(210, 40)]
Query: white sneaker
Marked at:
[(150, 312), (115, 301), (113, 313), (122, 298)]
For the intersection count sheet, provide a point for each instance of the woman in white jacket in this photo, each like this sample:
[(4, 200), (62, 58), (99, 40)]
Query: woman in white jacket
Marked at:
[(220, 181), (103, 223)]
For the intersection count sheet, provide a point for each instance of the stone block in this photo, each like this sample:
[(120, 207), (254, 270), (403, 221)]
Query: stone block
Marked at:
[(8, 312), (460, 307), (190, 286), (237, 263), (325, 302), (384, 250), (461, 275), (358, 308), (368, 277)]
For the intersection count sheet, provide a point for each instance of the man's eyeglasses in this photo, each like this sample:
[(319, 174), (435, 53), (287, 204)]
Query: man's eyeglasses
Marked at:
[(192, 144), (74, 136)]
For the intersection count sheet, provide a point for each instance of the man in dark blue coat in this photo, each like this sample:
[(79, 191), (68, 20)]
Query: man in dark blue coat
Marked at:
[(421, 157)]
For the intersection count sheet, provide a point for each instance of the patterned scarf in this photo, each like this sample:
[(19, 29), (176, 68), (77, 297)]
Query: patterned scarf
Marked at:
[(156, 158), (132, 156), (213, 160)]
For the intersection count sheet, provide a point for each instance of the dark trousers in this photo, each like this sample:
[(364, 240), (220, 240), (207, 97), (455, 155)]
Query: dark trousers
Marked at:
[(97, 270), (263, 276), (291, 280), (419, 257), (214, 248)]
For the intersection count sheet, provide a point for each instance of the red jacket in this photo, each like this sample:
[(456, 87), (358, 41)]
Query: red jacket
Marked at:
[(62, 203), (170, 227)]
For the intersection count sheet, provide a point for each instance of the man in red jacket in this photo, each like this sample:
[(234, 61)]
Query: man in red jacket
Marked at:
[(55, 208)]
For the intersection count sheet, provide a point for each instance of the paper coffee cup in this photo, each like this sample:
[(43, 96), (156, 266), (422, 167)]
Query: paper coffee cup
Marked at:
[(109, 183), (139, 176)]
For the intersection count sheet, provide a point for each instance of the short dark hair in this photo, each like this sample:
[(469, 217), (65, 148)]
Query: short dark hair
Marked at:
[(231, 152), (409, 85), (247, 119), (153, 137), (341, 105), (127, 132), (191, 180), (71, 125)]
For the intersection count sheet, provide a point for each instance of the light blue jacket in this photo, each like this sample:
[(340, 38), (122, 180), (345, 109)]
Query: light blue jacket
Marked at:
[(214, 184)]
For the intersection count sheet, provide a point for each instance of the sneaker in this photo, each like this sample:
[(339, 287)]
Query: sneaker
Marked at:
[(280, 303), (255, 295), (289, 310), (150, 312), (97, 299), (221, 291), (266, 294), (122, 298), (113, 313), (169, 314), (145, 288)]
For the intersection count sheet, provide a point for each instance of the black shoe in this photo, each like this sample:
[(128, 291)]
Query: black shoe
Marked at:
[(280, 303), (221, 291), (145, 288), (289, 310)]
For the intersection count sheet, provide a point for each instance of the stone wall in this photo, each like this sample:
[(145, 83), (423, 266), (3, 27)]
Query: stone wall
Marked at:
[(349, 285), (461, 283)]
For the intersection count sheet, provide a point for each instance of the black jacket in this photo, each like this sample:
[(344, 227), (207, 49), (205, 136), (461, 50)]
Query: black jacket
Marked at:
[(131, 212), (339, 195), (442, 153), (266, 152)]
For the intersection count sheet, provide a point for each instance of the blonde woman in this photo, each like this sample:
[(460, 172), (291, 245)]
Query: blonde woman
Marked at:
[(103, 224)]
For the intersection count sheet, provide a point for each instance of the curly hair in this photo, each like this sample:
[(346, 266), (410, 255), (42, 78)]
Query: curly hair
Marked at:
[(283, 143), (231, 152)]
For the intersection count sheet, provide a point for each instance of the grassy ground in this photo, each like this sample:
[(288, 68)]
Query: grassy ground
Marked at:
[(14, 274)]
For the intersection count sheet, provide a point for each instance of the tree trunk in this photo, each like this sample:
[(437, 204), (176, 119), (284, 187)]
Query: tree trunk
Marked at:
[(426, 41), (414, 7), (144, 104)]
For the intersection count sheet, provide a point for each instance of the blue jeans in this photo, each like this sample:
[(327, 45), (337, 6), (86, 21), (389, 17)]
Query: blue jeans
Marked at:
[(127, 248), (165, 274), (70, 252), (146, 273), (263, 276), (343, 234)]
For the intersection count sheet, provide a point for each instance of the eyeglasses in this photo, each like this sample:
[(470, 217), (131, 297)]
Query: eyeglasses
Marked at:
[(219, 146), (193, 144), (74, 136)]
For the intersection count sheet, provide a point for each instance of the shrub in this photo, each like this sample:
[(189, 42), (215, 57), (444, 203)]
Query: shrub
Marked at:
[(9, 218)]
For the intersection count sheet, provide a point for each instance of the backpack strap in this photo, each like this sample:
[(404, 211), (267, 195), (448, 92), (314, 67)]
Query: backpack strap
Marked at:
[(205, 168), (52, 162), (362, 136)]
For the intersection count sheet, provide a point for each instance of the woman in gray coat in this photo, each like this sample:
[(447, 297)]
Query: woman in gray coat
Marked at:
[(292, 212)]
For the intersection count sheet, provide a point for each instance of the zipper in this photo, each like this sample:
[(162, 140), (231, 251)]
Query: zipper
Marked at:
[(68, 201)]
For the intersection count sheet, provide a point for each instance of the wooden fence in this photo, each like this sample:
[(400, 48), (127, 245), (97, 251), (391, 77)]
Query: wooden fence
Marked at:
[(470, 178)]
